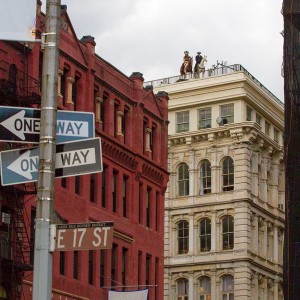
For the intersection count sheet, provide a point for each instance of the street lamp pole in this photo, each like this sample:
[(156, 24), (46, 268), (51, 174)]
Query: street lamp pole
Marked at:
[(42, 276)]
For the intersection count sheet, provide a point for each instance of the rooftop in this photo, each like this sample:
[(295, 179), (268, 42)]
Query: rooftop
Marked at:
[(217, 70)]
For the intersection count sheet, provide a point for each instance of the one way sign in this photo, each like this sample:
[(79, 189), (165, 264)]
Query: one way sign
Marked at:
[(22, 125), (73, 158)]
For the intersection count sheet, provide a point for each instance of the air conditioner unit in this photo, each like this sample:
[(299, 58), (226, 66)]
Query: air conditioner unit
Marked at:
[(5, 218)]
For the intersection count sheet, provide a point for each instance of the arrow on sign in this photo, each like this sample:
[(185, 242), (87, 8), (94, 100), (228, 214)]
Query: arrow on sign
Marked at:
[(18, 124), (73, 158)]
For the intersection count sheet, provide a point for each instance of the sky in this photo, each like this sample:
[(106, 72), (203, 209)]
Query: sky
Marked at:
[(150, 36)]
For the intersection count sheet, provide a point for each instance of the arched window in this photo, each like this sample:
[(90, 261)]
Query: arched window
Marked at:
[(183, 237), (228, 232), (12, 81), (227, 290), (182, 289), (228, 174), (183, 180), (205, 177), (205, 234), (205, 288)]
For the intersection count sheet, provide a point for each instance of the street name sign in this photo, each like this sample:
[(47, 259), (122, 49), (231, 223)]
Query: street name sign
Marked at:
[(22, 125), (73, 158), (86, 236)]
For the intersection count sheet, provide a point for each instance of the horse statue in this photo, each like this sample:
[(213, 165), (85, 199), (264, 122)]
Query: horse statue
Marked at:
[(200, 68), (187, 65)]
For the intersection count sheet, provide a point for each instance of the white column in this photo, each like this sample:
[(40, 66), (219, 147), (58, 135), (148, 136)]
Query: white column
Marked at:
[(191, 286), (191, 234), (213, 285), (266, 292)]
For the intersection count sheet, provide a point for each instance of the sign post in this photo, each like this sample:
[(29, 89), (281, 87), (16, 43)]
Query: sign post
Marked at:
[(42, 269)]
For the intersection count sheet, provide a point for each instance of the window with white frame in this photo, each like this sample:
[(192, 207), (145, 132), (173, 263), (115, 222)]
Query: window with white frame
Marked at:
[(228, 174), (182, 289), (249, 113), (205, 177), (182, 121), (228, 232), (227, 113), (276, 135), (205, 234), (204, 118), (267, 128), (205, 288), (183, 237), (258, 119), (183, 180), (227, 290)]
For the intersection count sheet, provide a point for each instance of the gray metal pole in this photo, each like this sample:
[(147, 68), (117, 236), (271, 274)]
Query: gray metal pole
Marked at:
[(42, 276)]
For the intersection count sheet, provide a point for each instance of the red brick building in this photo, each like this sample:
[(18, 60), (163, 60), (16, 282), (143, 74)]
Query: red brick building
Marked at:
[(132, 123)]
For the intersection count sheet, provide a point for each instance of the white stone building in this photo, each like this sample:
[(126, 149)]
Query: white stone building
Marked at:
[(224, 210)]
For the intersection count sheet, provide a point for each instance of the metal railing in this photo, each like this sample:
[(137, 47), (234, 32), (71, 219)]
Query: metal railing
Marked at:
[(212, 72)]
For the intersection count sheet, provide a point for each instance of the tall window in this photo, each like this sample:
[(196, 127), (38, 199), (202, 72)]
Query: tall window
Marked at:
[(258, 119), (124, 266), (102, 267), (102, 112), (183, 237), (204, 118), (114, 191), (75, 92), (205, 235), (205, 177), (183, 180), (148, 266), (64, 182), (63, 86), (12, 83), (227, 292), (205, 288), (76, 265), (92, 188), (182, 121), (140, 202), (103, 187), (91, 267), (182, 289), (140, 261), (114, 265), (125, 183), (228, 174), (267, 128), (77, 185), (276, 135), (228, 232), (62, 262), (227, 114), (148, 196)]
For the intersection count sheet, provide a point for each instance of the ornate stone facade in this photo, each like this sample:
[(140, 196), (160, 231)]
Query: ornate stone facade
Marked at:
[(224, 212)]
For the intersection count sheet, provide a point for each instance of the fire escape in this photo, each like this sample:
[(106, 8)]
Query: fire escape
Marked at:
[(16, 243)]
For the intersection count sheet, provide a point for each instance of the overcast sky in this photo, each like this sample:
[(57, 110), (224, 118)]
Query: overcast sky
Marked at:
[(150, 36)]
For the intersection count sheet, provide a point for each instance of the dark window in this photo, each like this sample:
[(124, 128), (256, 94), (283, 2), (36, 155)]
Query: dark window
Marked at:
[(102, 112), (124, 266), (75, 265), (156, 277), (62, 263), (92, 188), (183, 180), (103, 187), (116, 107), (64, 182), (125, 191), (228, 174), (228, 232), (183, 237), (91, 267), (157, 211), (102, 268), (140, 202), (114, 265), (205, 177), (205, 235), (140, 261), (75, 92), (205, 118), (77, 185), (148, 199), (124, 125), (148, 266), (182, 289), (114, 191), (12, 83), (63, 86)]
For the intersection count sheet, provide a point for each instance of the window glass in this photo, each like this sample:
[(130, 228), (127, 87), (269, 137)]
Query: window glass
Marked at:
[(276, 135), (267, 128), (183, 180), (249, 114), (182, 289), (182, 121), (205, 177), (205, 118), (205, 235), (227, 287), (205, 288), (183, 237), (228, 232), (227, 114), (228, 174), (258, 119)]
